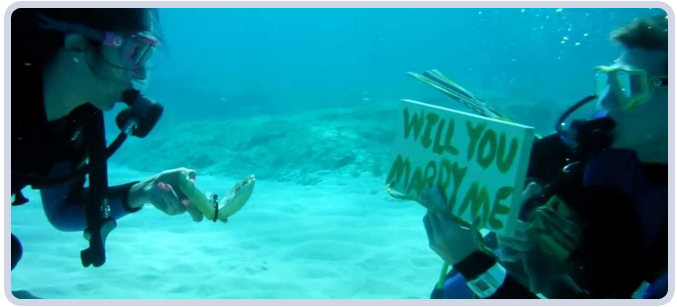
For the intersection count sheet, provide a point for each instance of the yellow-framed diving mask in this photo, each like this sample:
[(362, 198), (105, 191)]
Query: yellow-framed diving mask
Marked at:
[(629, 86)]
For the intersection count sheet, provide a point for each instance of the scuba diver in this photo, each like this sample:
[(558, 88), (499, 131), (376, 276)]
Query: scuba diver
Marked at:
[(68, 67), (595, 210)]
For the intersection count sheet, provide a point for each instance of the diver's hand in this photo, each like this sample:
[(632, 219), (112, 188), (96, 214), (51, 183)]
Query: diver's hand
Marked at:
[(162, 191), (447, 238), (513, 247)]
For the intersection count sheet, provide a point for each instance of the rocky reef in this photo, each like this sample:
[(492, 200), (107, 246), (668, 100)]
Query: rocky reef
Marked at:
[(303, 147), (300, 148)]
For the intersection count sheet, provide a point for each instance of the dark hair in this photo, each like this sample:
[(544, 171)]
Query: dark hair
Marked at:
[(650, 33), (30, 43)]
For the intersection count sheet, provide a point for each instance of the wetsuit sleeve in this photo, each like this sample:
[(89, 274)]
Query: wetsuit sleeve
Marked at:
[(479, 262), (455, 287), (65, 205)]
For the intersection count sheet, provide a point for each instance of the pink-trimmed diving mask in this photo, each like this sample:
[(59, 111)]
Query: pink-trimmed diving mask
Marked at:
[(135, 51)]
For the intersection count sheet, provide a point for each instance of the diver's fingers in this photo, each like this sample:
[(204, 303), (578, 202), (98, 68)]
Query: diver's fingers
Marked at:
[(163, 186), (194, 213), (442, 225), (434, 197), (531, 190), (165, 203), (180, 193), (174, 200), (427, 224), (187, 189), (435, 223), (438, 199), (521, 235), (191, 174), (426, 197), (518, 245), (511, 257)]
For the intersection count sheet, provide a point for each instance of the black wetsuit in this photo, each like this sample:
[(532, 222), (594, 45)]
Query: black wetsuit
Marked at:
[(625, 205), (54, 148)]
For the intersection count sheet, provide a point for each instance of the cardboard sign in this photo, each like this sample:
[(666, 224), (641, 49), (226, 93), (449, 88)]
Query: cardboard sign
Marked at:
[(479, 162)]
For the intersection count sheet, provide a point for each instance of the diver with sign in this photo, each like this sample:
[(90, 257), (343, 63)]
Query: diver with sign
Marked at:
[(593, 218)]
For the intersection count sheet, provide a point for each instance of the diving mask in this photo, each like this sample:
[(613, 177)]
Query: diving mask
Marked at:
[(629, 86), (134, 51)]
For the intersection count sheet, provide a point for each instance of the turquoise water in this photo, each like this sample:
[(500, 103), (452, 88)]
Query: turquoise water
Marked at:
[(306, 99), (285, 60), (256, 87)]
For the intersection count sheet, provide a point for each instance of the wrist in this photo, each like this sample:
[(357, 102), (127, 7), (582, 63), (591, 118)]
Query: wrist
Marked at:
[(462, 252), (462, 249), (475, 264), (136, 196), (486, 284)]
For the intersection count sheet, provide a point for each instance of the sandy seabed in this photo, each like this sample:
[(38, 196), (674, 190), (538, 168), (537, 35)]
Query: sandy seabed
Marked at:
[(338, 239)]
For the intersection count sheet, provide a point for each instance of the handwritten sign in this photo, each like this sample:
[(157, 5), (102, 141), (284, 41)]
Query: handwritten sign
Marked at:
[(479, 162)]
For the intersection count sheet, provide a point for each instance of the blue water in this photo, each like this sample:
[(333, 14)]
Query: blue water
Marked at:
[(227, 67), (231, 62), (325, 57)]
